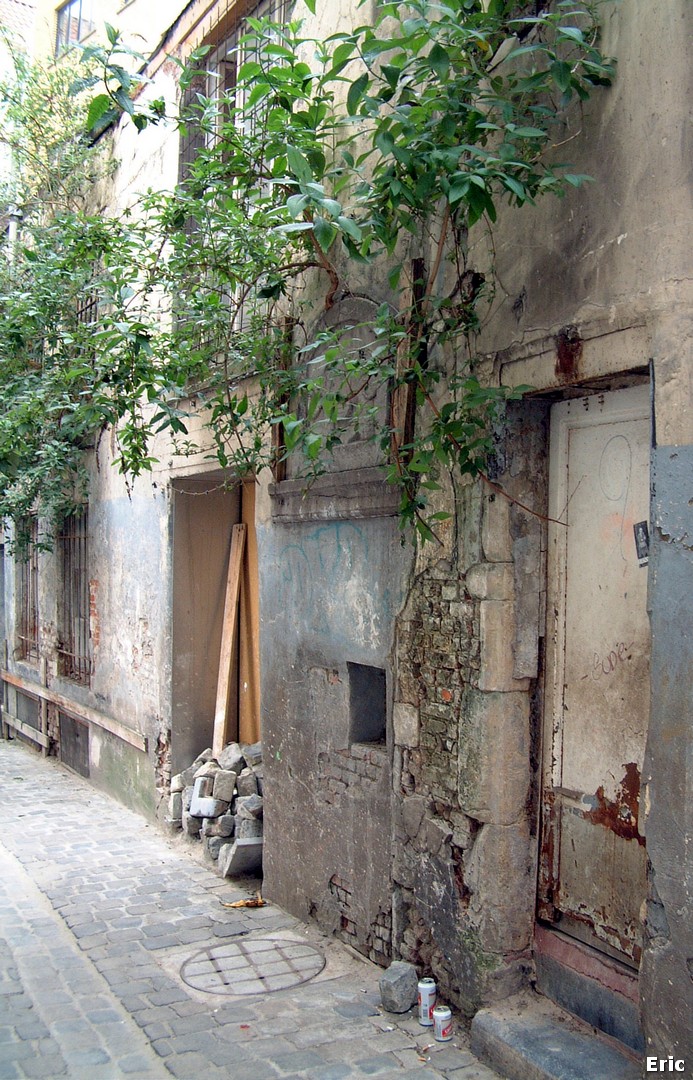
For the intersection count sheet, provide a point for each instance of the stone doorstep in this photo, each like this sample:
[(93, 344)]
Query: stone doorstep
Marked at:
[(527, 1037)]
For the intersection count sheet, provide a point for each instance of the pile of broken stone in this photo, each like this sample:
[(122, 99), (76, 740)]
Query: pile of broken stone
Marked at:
[(219, 800)]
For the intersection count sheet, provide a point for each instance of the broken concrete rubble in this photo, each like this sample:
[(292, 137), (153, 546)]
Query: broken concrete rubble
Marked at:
[(219, 802)]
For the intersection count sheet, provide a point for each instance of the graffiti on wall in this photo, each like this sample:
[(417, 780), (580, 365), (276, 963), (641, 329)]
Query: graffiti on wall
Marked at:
[(338, 580)]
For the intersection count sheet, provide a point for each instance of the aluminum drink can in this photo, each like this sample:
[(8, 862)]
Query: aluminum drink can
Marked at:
[(427, 1000), (442, 1023)]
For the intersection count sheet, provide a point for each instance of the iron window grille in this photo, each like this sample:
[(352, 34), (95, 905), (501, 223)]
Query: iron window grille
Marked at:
[(74, 653), (219, 86), (27, 592)]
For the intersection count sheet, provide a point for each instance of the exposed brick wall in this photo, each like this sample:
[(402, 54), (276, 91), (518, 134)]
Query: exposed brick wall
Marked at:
[(376, 943), (338, 770)]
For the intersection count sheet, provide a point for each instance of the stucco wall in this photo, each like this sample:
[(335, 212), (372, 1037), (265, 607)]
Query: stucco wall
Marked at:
[(329, 592), (667, 978)]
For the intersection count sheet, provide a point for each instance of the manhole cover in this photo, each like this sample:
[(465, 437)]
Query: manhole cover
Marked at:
[(252, 966)]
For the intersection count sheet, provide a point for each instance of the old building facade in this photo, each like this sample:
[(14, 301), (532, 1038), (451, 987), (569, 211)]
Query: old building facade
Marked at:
[(476, 752)]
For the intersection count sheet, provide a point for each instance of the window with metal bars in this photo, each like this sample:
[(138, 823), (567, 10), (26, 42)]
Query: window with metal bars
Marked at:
[(27, 591), (74, 653), (218, 84)]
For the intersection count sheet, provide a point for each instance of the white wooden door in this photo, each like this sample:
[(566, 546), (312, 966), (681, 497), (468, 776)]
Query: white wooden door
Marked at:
[(592, 867)]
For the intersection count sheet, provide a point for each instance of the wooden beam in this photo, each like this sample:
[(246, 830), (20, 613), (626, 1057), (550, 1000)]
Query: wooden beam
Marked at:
[(80, 712), (27, 730), (228, 636)]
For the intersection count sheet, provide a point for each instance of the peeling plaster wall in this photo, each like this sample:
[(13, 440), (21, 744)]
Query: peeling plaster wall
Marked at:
[(329, 592)]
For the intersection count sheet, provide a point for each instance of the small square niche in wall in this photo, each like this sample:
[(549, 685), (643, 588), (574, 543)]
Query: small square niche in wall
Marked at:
[(367, 703)]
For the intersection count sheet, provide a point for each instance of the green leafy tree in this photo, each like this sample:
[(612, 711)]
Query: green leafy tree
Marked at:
[(383, 147)]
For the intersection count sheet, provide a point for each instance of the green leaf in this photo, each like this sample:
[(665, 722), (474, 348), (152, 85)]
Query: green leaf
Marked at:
[(342, 55), (299, 165), (97, 108), (325, 232), (249, 70), (310, 4), (526, 132), (572, 32), (562, 74), (296, 204), (384, 140), (439, 61), (516, 187), (350, 228), (124, 100), (356, 92)]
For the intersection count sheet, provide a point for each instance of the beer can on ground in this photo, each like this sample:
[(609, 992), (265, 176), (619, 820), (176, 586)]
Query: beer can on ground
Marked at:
[(427, 1000), (442, 1023)]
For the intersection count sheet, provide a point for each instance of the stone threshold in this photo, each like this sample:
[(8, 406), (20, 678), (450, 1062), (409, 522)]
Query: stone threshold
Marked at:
[(527, 1037)]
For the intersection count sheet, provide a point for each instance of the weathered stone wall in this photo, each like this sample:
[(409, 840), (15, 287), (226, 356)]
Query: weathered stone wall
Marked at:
[(464, 818)]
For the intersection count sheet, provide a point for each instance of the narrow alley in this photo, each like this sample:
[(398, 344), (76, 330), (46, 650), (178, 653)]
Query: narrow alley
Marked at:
[(108, 929)]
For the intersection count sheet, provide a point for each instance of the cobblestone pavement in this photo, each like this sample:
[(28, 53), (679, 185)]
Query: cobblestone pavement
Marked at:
[(100, 910)]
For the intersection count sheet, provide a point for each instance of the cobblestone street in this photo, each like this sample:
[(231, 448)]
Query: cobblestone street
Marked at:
[(99, 914)]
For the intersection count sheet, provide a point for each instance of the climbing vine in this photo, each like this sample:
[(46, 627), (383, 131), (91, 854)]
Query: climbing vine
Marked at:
[(372, 152)]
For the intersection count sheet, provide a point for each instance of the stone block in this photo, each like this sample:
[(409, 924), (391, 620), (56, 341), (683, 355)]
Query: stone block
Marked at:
[(399, 987), (175, 805), (260, 777), (246, 783), (249, 806), (413, 810), (241, 857), (497, 634), (208, 768), (177, 783), (405, 719), (203, 804), (247, 827), (491, 581), (213, 845), (191, 824), (252, 753), (192, 769), (224, 785), (495, 529), (498, 872), (188, 775), (434, 835), (187, 796), (231, 758), (494, 756), (221, 826)]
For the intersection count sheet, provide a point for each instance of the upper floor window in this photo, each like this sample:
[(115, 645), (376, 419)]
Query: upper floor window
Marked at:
[(75, 21), (227, 54)]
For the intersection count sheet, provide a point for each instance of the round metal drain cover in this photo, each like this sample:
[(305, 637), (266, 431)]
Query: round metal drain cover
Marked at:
[(252, 966)]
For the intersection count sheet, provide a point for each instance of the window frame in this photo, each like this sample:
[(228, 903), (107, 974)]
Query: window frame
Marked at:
[(85, 23), (27, 593), (74, 607)]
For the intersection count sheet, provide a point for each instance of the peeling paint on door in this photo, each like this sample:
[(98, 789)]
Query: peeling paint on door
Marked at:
[(593, 865)]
